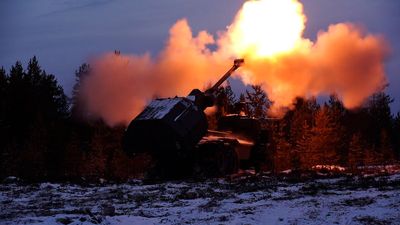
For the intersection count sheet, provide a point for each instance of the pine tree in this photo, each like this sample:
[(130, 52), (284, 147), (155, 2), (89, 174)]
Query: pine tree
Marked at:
[(385, 151), (77, 104), (95, 165), (242, 106), (280, 147), (3, 108), (221, 103), (230, 97), (3, 97), (33, 158), (396, 134), (53, 97), (16, 116), (48, 107), (12, 124), (3, 79), (34, 72), (336, 108), (16, 73), (338, 115), (105, 144), (259, 102), (300, 117), (326, 138), (299, 122), (74, 154), (35, 115), (380, 117), (302, 148), (225, 101), (379, 109), (356, 151)]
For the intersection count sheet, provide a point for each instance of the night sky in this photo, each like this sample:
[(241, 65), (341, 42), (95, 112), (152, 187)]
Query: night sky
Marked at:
[(64, 34)]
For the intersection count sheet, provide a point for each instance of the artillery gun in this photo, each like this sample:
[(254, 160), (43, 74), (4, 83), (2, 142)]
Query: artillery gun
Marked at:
[(174, 131)]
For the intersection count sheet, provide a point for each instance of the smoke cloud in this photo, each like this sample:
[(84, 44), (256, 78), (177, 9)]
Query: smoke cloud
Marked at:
[(343, 60), (119, 86)]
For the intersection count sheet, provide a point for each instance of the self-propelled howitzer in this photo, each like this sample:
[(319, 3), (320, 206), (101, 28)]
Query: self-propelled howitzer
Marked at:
[(173, 126)]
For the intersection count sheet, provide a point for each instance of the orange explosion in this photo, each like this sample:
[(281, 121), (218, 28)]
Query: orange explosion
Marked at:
[(343, 60), (267, 28), (268, 33)]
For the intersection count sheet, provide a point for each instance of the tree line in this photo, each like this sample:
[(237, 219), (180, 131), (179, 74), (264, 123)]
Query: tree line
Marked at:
[(47, 136), (312, 134)]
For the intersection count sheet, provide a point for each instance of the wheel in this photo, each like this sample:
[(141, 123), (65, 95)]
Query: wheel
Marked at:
[(229, 162), (216, 159)]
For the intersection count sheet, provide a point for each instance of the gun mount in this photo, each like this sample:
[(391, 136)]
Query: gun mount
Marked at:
[(173, 123), (207, 98)]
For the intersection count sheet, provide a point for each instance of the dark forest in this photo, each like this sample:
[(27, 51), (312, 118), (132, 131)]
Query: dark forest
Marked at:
[(45, 135)]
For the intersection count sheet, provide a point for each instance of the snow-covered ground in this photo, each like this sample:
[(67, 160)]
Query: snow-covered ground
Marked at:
[(245, 200)]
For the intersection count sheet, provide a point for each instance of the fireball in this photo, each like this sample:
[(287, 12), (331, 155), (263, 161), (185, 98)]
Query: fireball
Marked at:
[(266, 28)]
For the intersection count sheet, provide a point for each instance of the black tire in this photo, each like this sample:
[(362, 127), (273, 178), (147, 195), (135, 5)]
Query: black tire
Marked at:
[(216, 159), (230, 162)]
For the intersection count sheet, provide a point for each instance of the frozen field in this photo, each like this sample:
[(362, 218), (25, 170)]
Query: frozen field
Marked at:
[(246, 200)]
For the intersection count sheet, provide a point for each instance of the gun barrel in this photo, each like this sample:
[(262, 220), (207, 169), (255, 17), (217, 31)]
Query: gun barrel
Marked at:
[(236, 64)]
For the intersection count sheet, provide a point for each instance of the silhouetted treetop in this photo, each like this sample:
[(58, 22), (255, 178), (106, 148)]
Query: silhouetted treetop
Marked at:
[(77, 104), (258, 101)]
